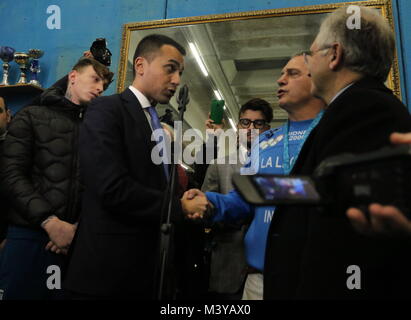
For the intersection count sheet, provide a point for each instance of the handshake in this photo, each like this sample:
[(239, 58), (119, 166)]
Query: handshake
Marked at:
[(194, 204)]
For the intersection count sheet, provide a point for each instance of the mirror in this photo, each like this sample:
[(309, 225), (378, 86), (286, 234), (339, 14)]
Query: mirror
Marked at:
[(242, 54)]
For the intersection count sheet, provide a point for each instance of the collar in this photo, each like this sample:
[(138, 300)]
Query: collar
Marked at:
[(140, 97), (340, 92)]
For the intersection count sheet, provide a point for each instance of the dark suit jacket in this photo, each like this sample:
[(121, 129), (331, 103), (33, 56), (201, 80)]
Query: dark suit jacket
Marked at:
[(309, 250), (116, 247)]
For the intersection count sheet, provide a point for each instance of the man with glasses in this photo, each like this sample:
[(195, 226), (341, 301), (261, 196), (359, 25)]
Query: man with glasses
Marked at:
[(315, 253), (228, 267), (278, 150)]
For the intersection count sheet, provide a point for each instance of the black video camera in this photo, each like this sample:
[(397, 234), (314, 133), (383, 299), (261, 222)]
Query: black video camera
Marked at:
[(100, 51), (347, 180)]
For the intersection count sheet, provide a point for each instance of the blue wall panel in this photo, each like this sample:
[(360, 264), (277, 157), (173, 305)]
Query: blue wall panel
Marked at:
[(23, 26)]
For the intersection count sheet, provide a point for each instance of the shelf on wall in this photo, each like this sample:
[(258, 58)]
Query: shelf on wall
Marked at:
[(20, 88)]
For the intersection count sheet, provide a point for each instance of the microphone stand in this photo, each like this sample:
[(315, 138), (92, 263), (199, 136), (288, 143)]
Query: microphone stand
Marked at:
[(165, 291)]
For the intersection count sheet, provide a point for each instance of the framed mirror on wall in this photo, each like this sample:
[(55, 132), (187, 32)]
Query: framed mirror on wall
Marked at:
[(237, 56)]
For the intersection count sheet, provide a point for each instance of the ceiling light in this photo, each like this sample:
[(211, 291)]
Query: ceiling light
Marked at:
[(198, 58), (218, 95), (232, 124)]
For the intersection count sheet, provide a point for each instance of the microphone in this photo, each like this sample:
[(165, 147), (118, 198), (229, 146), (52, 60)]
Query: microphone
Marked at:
[(183, 97)]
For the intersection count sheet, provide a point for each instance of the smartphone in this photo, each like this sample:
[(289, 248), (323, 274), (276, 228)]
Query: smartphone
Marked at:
[(265, 190), (217, 111)]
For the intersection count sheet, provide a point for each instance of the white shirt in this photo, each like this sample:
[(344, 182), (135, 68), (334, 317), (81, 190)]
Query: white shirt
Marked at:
[(143, 102), (340, 92)]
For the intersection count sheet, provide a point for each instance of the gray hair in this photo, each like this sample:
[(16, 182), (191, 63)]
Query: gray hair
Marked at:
[(368, 50)]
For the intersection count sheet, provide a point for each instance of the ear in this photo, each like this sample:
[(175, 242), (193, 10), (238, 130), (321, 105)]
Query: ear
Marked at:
[(8, 115), (139, 64), (336, 56), (72, 77)]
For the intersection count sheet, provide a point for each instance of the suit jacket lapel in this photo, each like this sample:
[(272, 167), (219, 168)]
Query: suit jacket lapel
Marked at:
[(133, 106)]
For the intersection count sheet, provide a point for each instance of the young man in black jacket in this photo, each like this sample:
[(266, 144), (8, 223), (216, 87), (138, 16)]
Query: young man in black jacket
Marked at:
[(41, 178)]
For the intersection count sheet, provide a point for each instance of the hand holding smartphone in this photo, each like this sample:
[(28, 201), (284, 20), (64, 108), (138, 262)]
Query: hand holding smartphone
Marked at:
[(217, 111)]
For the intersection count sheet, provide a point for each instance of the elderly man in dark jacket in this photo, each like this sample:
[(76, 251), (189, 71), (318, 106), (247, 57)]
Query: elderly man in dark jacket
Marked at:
[(41, 178), (312, 253)]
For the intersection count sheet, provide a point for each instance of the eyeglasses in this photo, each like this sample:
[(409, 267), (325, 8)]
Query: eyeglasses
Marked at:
[(310, 53), (258, 124)]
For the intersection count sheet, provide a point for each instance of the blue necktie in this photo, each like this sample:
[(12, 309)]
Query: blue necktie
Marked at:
[(155, 124)]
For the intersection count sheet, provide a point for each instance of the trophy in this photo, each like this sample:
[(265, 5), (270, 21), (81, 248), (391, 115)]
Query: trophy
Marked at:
[(21, 59), (35, 54), (7, 55)]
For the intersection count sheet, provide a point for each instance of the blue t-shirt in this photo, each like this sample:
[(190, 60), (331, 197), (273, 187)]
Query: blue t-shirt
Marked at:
[(270, 161)]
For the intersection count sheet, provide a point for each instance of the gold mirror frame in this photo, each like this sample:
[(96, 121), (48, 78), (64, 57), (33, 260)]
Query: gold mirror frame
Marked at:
[(393, 81)]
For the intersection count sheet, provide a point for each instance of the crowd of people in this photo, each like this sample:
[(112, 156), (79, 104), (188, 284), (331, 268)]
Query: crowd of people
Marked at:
[(80, 190)]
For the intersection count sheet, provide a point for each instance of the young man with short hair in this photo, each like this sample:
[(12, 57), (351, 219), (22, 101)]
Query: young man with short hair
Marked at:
[(40, 176)]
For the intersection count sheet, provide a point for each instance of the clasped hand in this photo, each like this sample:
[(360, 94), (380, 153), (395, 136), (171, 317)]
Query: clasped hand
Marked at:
[(194, 203), (61, 235)]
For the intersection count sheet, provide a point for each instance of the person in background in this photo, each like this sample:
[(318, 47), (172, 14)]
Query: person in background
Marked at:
[(228, 267)]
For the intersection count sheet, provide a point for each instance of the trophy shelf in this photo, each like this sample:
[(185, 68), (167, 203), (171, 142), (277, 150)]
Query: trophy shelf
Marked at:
[(24, 88)]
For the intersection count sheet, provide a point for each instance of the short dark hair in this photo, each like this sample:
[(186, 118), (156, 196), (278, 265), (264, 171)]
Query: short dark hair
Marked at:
[(152, 43), (98, 67), (258, 104)]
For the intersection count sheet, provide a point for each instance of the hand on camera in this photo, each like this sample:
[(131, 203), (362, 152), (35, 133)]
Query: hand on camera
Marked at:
[(382, 219)]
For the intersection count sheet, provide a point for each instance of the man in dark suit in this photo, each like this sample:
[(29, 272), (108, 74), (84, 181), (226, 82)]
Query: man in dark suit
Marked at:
[(116, 246), (312, 253)]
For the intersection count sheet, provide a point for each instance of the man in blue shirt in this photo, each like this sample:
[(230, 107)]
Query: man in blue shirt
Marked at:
[(278, 150)]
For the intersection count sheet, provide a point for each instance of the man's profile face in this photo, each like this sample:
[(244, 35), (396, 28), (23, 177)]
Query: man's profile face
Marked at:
[(85, 84), (294, 84), (318, 68), (5, 116), (161, 74)]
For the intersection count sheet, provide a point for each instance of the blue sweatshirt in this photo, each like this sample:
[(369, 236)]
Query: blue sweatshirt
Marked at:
[(232, 207)]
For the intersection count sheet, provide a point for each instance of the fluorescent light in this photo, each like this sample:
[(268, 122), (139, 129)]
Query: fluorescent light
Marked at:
[(198, 58), (218, 95), (232, 124)]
